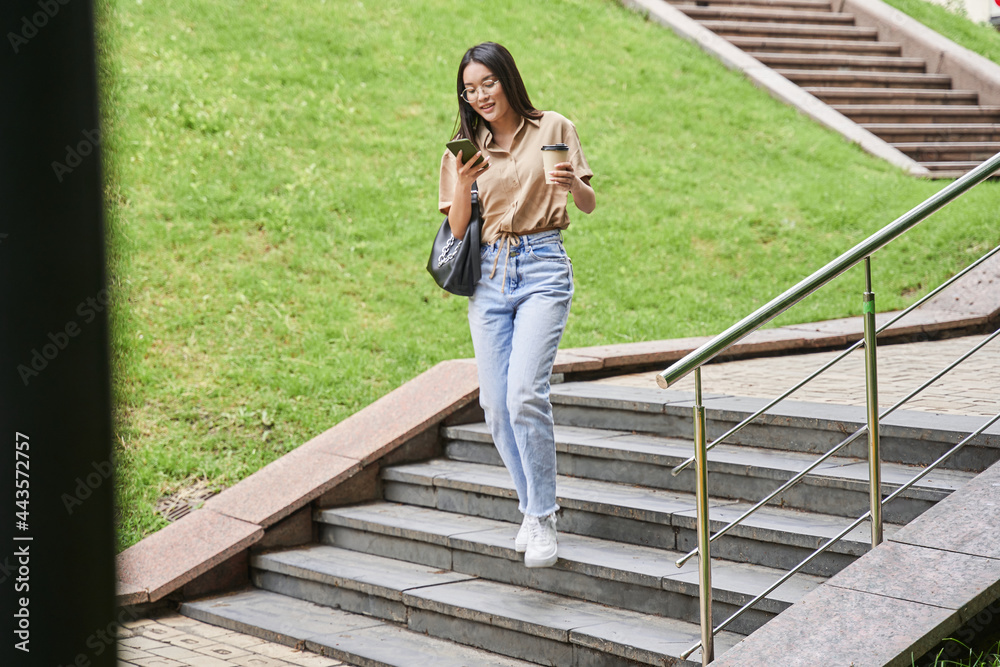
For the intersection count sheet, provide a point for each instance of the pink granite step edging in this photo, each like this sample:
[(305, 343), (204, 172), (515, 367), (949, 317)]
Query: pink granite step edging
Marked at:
[(208, 548), (236, 519)]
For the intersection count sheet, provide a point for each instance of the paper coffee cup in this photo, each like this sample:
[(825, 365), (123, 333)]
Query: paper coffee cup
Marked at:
[(552, 155)]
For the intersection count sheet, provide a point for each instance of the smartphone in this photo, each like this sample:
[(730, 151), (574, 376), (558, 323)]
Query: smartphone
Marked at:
[(468, 150)]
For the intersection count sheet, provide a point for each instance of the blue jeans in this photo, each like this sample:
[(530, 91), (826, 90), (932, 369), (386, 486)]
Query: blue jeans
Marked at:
[(517, 318)]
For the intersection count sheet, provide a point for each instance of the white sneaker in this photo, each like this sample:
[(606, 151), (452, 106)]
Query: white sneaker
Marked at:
[(521, 541), (542, 545)]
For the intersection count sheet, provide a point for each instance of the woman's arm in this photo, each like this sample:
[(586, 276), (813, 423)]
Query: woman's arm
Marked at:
[(583, 195), (461, 203)]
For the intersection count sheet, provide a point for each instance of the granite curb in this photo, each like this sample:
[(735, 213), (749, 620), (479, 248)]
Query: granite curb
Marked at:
[(211, 545), (171, 557), (230, 523)]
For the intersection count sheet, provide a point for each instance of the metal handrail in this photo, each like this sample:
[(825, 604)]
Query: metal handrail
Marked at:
[(696, 359), (846, 441), (857, 522), (843, 355), (804, 288)]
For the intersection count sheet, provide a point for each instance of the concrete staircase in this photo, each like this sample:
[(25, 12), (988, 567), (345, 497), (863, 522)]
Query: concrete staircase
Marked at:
[(428, 575), (871, 82)]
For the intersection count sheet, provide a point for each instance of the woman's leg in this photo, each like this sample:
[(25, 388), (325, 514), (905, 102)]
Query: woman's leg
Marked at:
[(545, 294), (516, 328), (491, 321)]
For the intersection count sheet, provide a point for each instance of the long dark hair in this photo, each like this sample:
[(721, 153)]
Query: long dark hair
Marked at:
[(498, 59)]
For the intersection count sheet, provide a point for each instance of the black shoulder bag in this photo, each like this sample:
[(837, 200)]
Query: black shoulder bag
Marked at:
[(455, 263)]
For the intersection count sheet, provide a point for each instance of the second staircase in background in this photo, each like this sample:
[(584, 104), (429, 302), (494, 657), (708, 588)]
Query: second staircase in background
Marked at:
[(870, 81)]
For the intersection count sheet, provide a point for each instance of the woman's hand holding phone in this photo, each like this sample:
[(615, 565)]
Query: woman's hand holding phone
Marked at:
[(470, 170)]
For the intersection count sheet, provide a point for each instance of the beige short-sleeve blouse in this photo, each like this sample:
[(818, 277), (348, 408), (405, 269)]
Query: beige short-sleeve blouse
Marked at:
[(513, 194)]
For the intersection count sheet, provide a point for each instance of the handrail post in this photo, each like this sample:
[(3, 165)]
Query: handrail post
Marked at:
[(871, 402), (704, 532)]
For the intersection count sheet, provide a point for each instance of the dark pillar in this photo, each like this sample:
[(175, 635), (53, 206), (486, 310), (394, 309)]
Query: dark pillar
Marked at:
[(56, 492)]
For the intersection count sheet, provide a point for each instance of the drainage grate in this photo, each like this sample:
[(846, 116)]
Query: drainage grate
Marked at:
[(185, 501)]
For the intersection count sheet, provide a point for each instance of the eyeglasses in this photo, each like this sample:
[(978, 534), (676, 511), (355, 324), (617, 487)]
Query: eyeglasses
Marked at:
[(470, 95)]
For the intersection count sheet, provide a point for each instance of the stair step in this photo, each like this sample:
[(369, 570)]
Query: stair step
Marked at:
[(910, 132), (949, 151), (338, 634), (511, 620), (810, 61), (766, 15), (642, 579), (815, 5), (365, 583), (894, 96), (774, 536), (790, 45), (799, 30), (739, 472), (891, 113), (953, 169), (907, 437), (843, 79)]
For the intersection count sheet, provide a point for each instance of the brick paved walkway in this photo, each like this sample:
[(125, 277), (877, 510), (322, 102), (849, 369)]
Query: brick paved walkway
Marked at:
[(172, 640), (971, 389)]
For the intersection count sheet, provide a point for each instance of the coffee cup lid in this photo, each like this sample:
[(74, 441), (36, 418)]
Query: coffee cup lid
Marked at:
[(555, 147)]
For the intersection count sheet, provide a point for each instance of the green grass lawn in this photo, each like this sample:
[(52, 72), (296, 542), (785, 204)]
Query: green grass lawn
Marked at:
[(273, 172), (962, 655)]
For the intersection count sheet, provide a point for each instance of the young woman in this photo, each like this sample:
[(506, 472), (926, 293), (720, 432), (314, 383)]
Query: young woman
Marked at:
[(518, 312)]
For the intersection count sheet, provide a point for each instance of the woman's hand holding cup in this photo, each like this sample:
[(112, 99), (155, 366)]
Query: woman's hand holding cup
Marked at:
[(562, 176), (558, 170)]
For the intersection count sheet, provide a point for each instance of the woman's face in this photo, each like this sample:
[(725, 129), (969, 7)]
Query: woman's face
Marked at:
[(491, 105)]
